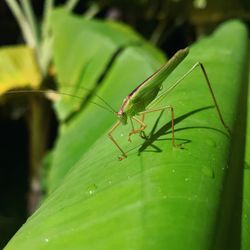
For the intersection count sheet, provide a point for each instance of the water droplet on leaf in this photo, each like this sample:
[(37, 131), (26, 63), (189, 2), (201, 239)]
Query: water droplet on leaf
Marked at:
[(91, 189)]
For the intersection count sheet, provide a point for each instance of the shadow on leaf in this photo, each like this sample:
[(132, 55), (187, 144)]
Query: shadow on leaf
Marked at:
[(155, 135)]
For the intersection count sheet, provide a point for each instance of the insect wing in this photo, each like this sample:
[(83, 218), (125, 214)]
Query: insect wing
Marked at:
[(154, 82)]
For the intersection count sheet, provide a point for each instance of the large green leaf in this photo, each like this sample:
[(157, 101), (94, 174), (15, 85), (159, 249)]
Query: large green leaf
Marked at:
[(173, 199), (88, 60), (246, 186)]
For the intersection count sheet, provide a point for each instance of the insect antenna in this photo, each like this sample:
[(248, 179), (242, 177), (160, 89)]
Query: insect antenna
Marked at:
[(107, 107), (111, 109), (90, 91)]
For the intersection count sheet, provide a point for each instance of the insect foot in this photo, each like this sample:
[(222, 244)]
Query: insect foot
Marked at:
[(122, 157), (179, 146), (132, 133), (143, 135)]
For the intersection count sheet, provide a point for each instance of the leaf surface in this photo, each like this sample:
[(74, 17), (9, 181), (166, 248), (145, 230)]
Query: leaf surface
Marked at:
[(164, 198)]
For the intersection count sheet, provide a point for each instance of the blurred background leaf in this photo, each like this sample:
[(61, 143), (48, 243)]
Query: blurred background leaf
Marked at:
[(18, 68)]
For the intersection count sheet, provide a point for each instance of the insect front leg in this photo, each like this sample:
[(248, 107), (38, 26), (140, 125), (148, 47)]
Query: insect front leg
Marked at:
[(117, 124)]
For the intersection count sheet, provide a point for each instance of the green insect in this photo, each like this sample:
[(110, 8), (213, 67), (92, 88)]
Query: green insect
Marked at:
[(138, 103), (143, 97)]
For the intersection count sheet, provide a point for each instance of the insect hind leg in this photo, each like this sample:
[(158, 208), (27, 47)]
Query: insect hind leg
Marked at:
[(202, 68)]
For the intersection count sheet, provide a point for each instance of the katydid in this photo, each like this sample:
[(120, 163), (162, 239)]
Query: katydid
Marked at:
[(144, 96), (138, 102)]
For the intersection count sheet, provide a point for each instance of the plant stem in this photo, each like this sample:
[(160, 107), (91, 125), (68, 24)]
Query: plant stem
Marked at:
[(48, 6), (39, 124), (70, 4), (29, 13), (92, 11), (23, 23), (46, 37)]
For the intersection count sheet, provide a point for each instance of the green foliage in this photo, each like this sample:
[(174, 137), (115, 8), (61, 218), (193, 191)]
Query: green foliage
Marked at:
[(173, 198), (246, 186)]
